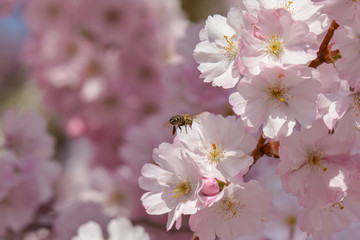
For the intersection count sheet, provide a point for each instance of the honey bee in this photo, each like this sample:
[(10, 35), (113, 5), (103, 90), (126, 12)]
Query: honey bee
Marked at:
[(180, 120)]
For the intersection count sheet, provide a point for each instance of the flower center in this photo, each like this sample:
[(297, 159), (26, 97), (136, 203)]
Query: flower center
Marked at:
[(274, 46), (231, 208), (354, 3), (230, 47), (291, 221), (338, 205), (277, 94), (181, 189), (315, 160), (215, 154)]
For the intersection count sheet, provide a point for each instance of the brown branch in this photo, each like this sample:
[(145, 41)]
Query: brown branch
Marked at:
[(324, 54), (258, 152), (271, 149)]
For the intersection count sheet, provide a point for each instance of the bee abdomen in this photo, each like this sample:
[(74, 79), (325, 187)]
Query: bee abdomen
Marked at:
[(175, 119)]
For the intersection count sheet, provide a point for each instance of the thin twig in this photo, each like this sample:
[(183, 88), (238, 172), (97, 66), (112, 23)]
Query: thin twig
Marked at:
[(258, 152), (323, 55)]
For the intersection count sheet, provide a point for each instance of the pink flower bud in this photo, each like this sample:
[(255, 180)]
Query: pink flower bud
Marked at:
[(211, 187)]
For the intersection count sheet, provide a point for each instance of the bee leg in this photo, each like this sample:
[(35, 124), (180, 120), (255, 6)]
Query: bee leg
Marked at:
[(186, 128), (173, 130), (180, 128)]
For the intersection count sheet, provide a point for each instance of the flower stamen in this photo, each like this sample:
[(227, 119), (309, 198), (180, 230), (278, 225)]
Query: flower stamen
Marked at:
[(230, 47), (275, 46), (182, 189), (315, 160), (231, 208), (288, 6), (277, 94), (215, 154)]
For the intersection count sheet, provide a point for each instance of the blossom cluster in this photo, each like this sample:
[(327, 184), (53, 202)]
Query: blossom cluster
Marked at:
[(264, 101), (27, 171), (107, 75), (201, 174), (293, 66)]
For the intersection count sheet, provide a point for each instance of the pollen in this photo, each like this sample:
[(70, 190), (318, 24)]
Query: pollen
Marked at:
[(354, 3), (231, 208), (336, 207), (274, 46), (215, 154), (230, 47), (315, 159), (288, 5), (277, 94), (357, 126), (182, 189)]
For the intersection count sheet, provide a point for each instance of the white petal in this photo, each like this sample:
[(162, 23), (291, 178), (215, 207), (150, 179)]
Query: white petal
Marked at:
[(89, 231)]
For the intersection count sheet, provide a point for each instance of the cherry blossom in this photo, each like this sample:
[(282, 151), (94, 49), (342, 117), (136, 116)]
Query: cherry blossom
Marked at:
[(277, 98), (218, 152), (173, 186), (321, 222), (218, 50), (314, 165), (348, 8), (108, 75), (284, 41), (305, 11), (240, 210)]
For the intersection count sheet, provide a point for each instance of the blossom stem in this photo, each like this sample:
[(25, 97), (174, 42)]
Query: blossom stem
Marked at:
[(270, 149), (258, 152), (323, 55)]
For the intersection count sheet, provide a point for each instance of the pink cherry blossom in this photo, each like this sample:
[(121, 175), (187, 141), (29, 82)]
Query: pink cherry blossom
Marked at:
[(218, 50), (26, 166), (336, 216), (275, 39), (277, 98), (241, 210), (331, 8), (32, 183), (304, 10), (173, 186), (314, 165), (214, 146)]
